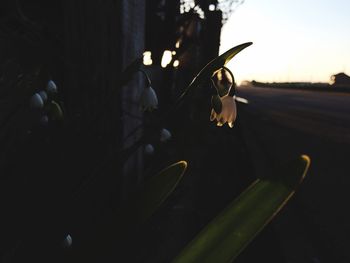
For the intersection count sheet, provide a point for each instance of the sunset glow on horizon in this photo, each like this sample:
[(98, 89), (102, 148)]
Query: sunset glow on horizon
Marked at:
[(293, 41)]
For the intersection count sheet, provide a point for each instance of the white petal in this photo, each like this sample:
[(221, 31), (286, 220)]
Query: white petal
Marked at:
[(67, 242), (43, 95), (149, 98), (51, 87), (154, 97), (165, 135), (149, 149), (228, 112), (223, 119), (36, 101), (212, 115)]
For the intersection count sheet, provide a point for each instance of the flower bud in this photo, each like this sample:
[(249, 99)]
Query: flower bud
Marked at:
[(67, 242), (165, 135), (149, 100), (51, 87), (36, 102), (149, 149), (43, 95)]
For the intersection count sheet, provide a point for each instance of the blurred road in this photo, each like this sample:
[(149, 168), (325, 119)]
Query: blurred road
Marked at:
[(324, 114), (282, 123)]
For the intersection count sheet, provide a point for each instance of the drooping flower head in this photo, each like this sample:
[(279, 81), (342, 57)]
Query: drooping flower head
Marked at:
[(149, 99), (228, 113), (51, 87), (222, 84), (149, 149), (43, 95), (67, 241), (224, 105), (165, 135), (36, 102)]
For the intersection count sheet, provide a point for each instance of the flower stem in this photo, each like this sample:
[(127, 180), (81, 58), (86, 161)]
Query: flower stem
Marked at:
[(149, 83)]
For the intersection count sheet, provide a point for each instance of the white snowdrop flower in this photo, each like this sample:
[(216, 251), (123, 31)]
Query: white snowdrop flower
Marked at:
[(165, 135), (149, 149), (67, 242), (149, 100), (228, 113), (51, 87), (43, 95), (36, 102)]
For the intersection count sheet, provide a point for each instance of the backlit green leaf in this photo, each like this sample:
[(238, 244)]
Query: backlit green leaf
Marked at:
[(231, 231), (217, 63), (56, 111), (152, 194)]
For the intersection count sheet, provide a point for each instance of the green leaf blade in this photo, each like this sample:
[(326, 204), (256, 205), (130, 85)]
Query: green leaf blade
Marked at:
[(232, 230), (155, 191), (206, 72), (56, 111), (161, 186), (218, 63)]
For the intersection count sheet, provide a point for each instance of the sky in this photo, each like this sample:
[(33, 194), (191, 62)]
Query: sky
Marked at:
[(293, 40)]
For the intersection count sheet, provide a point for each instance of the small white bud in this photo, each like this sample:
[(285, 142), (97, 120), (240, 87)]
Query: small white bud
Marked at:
[(36, 102), (149, 99), (43, 95), (51, 87), (165, 135), (67, 242), (149, 149)]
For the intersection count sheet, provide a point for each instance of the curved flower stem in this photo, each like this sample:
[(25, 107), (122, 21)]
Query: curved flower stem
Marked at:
[(125, 79), (210, 68), (146, 76), (233, 87)]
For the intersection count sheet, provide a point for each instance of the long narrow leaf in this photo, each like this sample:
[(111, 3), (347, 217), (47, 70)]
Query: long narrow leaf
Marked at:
[(115, 232), (232, 230), (218, 63), (211, 67), (152, 195)]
